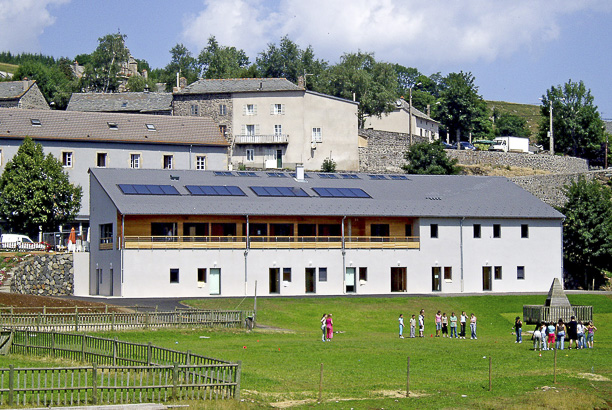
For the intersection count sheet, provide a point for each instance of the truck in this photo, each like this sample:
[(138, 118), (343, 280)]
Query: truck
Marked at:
[(510, 144)]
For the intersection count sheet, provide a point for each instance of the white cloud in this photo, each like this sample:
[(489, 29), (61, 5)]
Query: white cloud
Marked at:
[(22, 22), (410, 32)]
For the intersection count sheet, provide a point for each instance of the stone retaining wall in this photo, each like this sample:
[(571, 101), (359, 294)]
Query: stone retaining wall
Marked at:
[(47, 275), (552, 163), (385, 150)]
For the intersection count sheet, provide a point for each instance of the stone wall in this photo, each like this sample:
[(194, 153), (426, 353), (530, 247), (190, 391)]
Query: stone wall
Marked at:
[(385, 150), (45, 274), (553, 164)]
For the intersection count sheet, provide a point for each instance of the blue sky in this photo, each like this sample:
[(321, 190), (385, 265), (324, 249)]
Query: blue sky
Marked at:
[(516, 49)]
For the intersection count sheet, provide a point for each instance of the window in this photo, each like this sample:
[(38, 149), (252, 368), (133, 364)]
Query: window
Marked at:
[(496, 230), (113, 125), (135, 161), (250, 109), (223, 130), (278, 129), (286, 274), (174, 276), (433, 230), (151, 127), (164, 231), (408, 230), (250, 155), (322, 274), (201, 162), (379, 230), (101, 159), (67, 159), (524, 231), (520, 272), (106, 233), (195, 110), (168, 161), (278, 109), (363, 274), (497, 272), (307, 230), (222, 109), (316, 135), (476, 230), (202, 275), (448, 273), (35, 122), (250, 129)]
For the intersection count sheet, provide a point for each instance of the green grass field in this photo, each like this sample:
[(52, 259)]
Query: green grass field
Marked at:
[(530, 112), (9, 68), (365, 365)]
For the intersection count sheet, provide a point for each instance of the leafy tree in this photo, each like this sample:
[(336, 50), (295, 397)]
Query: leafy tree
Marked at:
[(510, 124), (101, 72), (577, 126), (587, 231), (429, 159), (181, 62), (35, 191), (55, 82), (138, 83), (222, 62), (406, 77), (373, 84)]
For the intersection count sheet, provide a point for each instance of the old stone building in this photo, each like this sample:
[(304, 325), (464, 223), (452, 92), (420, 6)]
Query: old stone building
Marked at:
[(22, 94)]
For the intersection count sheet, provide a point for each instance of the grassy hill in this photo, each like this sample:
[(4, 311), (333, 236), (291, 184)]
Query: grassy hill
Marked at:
[(9, 68), (531, 113)]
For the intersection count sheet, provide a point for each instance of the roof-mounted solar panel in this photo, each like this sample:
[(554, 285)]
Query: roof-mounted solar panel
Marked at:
[(223, 173), (276, 174), (139, 189), (341, 193), (398, 177), (327, 176), (377, 176), (246, 173), (294, 175), (350, 176), (278, 191), (215, 190)]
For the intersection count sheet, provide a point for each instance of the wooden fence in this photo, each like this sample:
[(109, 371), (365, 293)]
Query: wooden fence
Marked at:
[(533, 314), (122, 372), (68, 322)]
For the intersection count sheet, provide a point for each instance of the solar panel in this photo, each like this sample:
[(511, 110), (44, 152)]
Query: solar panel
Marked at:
[(223, 173), (350, 176), (246, 174), (377, 176), (328, 176), (278, 191), (215, 190), (277, 174), (294, 175), (341, 193), (398, 177), (138, 189)]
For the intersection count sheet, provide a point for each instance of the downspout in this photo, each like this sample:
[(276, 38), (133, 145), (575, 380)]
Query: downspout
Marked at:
[(246, 254), (343, 258), (190, 146), (461, 249)]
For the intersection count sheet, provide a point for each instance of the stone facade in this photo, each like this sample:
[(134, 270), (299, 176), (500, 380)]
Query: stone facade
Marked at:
[(208, 105), (47, 275), (32, 98), (384, 151), (553, 164)]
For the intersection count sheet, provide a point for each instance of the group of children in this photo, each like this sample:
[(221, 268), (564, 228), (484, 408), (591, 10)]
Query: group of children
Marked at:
[(548, 336), (442, 323)]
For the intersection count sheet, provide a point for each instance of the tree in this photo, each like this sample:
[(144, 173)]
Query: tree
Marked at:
[(372, 83), (35, 191), (105, 64), (578, 129), (55, 84), (429, 159), (587, 231), (510, 124), (222, 62), (183, 63)]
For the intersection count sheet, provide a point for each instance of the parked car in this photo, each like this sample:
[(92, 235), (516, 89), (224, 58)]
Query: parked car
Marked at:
[(22, 242), (466, 146), (446, 145)]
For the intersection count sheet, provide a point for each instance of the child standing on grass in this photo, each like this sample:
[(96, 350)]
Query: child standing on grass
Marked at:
[(412, 326), (324, 325), (551, 335), (438, 323), (421, 322), (473, 327), (401, 326), (444, 325), (518, 328), (329, 324), (590, 334), (544, 333), (462, 320), (453, 325), (537, 338)]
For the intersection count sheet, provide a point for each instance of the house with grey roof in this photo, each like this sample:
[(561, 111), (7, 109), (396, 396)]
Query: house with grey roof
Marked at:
[(399, 121), (84, 140), (272, 123), (161, 233), (22, 94), (126, 103)]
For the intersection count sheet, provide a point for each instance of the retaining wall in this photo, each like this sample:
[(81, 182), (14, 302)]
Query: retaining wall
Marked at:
[(552, 163), (385, 150), (47, 275)]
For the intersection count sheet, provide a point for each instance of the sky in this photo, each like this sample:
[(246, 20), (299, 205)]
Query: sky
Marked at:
[(516, 49)]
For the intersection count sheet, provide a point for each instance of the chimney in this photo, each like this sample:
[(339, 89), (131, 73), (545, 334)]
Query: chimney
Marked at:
[(301, 82), (182, 83), (299, 172)]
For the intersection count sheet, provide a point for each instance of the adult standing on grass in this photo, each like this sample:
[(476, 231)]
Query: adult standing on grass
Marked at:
[(401, 326), (463, 321), (560, 330), (444, 325), (544, 334), (329, 324), (590, 331), (421, 322), (412, 327), (453, 325), (518, 329), (473, 327), (537, 338), (438, 323), (580, 331), (324, 326), (572, 332)]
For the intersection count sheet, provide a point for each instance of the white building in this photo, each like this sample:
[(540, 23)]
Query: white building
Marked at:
[(398, 120), (157, 233)]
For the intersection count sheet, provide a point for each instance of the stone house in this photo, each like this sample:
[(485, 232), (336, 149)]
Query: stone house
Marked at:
[(126, 103), (398, 121), (22, 94)]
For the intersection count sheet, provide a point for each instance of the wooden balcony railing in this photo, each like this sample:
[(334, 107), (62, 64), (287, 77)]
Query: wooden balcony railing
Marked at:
[(271, 242)]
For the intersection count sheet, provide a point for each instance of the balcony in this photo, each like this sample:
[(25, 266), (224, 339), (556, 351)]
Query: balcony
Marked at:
[(271, 242), (261, 139)]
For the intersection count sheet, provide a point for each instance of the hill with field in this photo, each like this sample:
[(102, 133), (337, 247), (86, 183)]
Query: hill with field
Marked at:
[(530, 112)]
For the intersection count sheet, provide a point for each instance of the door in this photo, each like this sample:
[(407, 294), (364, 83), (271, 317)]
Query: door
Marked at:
[(398, 279), (111, 277), (486, 278), (215, 281), (310, 279), (349, 280), (274, 280), (436, 284), (279, 158)]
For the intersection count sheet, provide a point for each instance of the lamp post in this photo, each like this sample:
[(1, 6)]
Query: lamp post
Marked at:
[(550, 132), (410, 113)]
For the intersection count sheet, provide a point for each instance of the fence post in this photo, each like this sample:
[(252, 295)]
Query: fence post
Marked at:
[(83, 348), (149, 354), (115, 352), (11, 384), (188, 358), (105, 308), (38, 322), (175, 381), (44, 310), (76, 319), (27, 341), (146, 320), (490, 367), (113, 322), (321, 383), (53, 343), (94, 383), (238, 373), (408, 377)]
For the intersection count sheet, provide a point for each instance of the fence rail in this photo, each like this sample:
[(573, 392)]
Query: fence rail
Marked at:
[(538, 313), (66, 322)]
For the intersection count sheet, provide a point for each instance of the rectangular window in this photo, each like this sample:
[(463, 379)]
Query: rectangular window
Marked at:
[(524, 231), (202, 275), (286, 274), (101, 159), (250, 129), (223, 130), (113, 125), (496, 230), (379, 230), (363, 274), (151, 127), (278, 129), (174, 276), (520, 272), (106, 233), (448, 273), (250, 155), (250, 109), (278, 109), (195, 109), (135, 161), (476, 230), (168, 161), (433, 230), (497, 272), (408, 230), (222, 109), (322, 274), (67, 159), (307, 230), (317, 135), (201, 162)]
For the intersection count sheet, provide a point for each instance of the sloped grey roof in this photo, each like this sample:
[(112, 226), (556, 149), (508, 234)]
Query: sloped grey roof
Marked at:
[(239, 85), (93, 126), (416, 112), (608, 126), (120, 102), (419, 196), (10, 90)]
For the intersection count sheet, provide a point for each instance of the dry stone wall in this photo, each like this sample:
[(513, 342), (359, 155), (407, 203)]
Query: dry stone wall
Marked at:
[(385, 150), (46, 274), (551, 163)]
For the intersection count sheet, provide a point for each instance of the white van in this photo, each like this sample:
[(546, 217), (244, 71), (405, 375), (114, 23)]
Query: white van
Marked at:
[(18, 241)]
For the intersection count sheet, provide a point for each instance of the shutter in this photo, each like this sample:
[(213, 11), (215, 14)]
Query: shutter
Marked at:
[(256, 129), (282, 109), (254, 109), (271, 109), (244, 129), (244, 109)]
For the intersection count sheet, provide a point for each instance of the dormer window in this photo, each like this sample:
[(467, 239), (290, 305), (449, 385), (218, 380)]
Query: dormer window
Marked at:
[(35, 122), (124, 104), (113, 125), (151, 127)]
